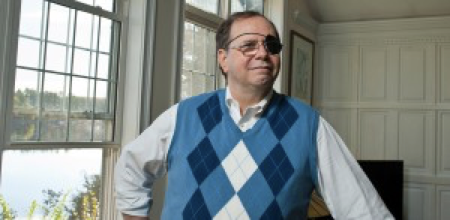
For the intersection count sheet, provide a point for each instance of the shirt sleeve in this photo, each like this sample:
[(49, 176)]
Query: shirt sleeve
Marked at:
[(142, 162), (345, 188)]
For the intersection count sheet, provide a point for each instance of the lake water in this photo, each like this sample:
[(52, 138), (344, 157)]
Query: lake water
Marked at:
[(25, 174)]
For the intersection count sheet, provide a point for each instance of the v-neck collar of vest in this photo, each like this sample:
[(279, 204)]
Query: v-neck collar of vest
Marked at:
[(269, 109)]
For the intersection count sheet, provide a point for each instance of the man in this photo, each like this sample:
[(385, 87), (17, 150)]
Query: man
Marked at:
[(245, 152)]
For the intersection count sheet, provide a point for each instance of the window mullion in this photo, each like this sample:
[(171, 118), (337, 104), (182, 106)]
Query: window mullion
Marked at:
[(69, 64), (193, 52), (88, 103), (69, 105), (42, 80), (64, 74), (96, 75), (41, 50), (112, 73), (205, 66)]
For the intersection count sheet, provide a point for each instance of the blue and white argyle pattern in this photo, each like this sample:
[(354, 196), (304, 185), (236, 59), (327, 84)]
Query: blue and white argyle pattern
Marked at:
[(250, 179)]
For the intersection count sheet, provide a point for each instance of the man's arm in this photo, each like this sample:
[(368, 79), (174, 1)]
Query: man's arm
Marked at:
[(142, 162), (347, 191)]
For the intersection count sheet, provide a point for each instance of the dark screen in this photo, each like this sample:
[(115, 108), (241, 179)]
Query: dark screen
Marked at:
[(387, 178)]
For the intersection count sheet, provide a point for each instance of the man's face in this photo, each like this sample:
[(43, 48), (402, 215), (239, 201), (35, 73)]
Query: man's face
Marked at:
[(257, 71)]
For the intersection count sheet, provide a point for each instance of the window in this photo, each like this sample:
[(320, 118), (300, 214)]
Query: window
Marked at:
[(61, 128), (65, 78), (200, 69), (199, 63)]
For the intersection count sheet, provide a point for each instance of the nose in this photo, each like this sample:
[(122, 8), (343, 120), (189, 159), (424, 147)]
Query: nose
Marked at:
[(262, 51)]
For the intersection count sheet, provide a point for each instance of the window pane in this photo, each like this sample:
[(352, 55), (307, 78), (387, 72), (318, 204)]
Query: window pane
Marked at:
[(105, 35), (83, 32), (200, 38), (26, 101), (31, 18), (209, 82), (51, 174), (101, 97), (247, 5), (188, 44), (57, 57), (103, 66), (55, 103), (28, 53), (81, 62), (104, 112), (26, 90), (186, 84), (53, 126), (82, 95), (80, 129), (103, 130), (55, 95), (199, 83), (206, 5), (58, 29), (25, 125)]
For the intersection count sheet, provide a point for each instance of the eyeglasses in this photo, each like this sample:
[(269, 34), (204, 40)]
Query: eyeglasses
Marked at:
[(250, 48)]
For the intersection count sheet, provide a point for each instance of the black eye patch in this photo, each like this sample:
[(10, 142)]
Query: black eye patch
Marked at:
[(272, 44)]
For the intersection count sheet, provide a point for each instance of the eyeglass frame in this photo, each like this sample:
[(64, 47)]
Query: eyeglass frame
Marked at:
[(267, 38)]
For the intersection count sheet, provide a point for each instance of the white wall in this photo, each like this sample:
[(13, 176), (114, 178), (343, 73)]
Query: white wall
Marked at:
[(384, 85)]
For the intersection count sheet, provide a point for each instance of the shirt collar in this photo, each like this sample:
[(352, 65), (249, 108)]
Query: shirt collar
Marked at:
[(259, 107)]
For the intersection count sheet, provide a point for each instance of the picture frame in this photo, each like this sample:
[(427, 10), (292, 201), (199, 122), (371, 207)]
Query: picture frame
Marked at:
[(301, 68)]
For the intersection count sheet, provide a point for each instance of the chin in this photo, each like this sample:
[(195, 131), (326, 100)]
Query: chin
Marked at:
[(265, 81)]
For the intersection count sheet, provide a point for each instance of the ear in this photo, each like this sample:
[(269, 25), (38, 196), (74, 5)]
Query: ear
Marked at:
[(222, 59)]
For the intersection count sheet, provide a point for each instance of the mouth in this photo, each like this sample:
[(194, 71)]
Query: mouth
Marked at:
[(262, 68)]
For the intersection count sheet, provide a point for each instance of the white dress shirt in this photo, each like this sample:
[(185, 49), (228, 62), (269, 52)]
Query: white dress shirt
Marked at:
[(344, 187)]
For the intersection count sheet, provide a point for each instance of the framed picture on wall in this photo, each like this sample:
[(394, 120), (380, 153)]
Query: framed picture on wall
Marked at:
[(301, 67)]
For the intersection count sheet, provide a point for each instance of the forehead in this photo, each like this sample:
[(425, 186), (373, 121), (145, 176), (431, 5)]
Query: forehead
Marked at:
[(251, 25)]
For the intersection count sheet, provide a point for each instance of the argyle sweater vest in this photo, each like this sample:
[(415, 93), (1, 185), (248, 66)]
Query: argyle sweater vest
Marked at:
[(216, 171)]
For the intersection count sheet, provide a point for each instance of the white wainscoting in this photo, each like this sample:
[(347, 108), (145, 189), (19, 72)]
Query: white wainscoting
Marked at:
[(444, 70), (416, 139), (374, 73), (385, 87), (444, 143), (443, 210), (418, 200)]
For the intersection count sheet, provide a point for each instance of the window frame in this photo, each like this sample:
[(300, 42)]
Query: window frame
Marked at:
[(10, 26)]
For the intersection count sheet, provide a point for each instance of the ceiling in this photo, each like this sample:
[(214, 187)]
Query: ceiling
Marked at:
[(326, 11)]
